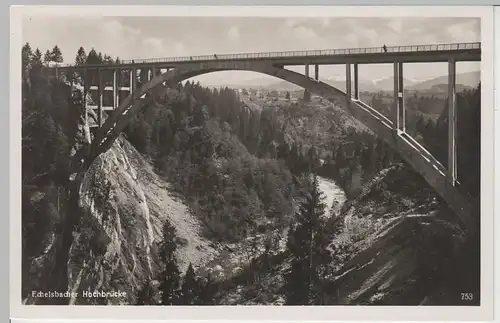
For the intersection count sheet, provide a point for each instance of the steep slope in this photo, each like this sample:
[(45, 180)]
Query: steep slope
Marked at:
[(400, 252), (125, 205)]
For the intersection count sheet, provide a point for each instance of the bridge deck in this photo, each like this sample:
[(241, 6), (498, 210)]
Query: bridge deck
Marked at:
[(372, 55)]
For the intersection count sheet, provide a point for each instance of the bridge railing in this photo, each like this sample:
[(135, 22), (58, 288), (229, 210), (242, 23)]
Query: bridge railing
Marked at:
[(306, 53)]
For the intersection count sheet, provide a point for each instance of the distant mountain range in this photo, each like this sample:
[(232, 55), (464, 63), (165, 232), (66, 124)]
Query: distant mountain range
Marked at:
[(464, 80), (470, 79)]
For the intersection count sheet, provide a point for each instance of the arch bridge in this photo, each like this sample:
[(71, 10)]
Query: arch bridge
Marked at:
[(123, 85)]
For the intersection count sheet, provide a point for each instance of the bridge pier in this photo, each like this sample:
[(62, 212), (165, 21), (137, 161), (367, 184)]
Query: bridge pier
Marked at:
[(115, 87), (150, 73), (399, 112), (155, 71), (401, 101), (85, 90), (133, 80), (307, 94), (100, 98), (71, 83), (143, 76), (452, 123), (316, 72), (356, 82), (348, 84)]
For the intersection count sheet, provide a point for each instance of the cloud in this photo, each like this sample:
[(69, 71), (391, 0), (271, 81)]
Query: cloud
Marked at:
[(304, 33), (179, 49), (154, 43), (234, 33), (292, 22), (396, 25), (325, 22), (352, 40), (464, 32), (117, 30)]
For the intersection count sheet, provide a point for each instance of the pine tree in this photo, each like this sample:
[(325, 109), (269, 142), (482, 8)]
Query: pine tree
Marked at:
[(420, 125), (367, 161), (92, 57), (146, 295), (307, 244), (81, 57), (107, 59), (26, 60), (47, 57), (430, 129), (379, 155), (340, 160), (56, 55), (207, 291), (27, 56), (190, 291), (169, 285), (36, 64), (170, 277)]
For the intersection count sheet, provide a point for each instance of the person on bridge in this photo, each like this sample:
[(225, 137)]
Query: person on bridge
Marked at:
[(215, 56), (384, 48)]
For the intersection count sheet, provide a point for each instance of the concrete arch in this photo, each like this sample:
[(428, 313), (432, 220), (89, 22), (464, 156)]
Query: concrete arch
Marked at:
[(422, 161)]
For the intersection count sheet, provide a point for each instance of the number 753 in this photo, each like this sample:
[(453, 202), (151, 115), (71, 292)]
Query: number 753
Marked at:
[(467, 296)]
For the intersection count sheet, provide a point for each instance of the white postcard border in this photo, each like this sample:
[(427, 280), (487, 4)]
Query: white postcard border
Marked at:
[(288, 313)]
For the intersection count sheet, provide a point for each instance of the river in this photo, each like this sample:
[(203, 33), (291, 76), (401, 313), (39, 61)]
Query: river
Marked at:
[(332, 192)]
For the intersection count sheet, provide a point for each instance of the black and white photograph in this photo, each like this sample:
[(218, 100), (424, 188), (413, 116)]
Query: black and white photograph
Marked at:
[(246, 160)]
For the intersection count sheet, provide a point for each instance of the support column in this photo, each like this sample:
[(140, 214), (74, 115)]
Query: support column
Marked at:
[(144, 75), (99, 103), (84, 98), (316, 72), (401, 101), (151, 73), (133, 80), (452, 123), (348, 83), (115, 89), (307, 94), (131, 85), (71, 80), (395, 109), (356, 82)]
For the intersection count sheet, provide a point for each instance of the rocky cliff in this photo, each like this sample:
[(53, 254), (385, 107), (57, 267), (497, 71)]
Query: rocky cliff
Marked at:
[(125, 205)]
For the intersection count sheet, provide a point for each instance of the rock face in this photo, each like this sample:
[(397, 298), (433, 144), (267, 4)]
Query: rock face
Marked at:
[(125, 205), (397, 253)]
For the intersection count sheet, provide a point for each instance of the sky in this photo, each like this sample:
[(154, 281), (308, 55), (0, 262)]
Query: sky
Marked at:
[(150, 37)]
